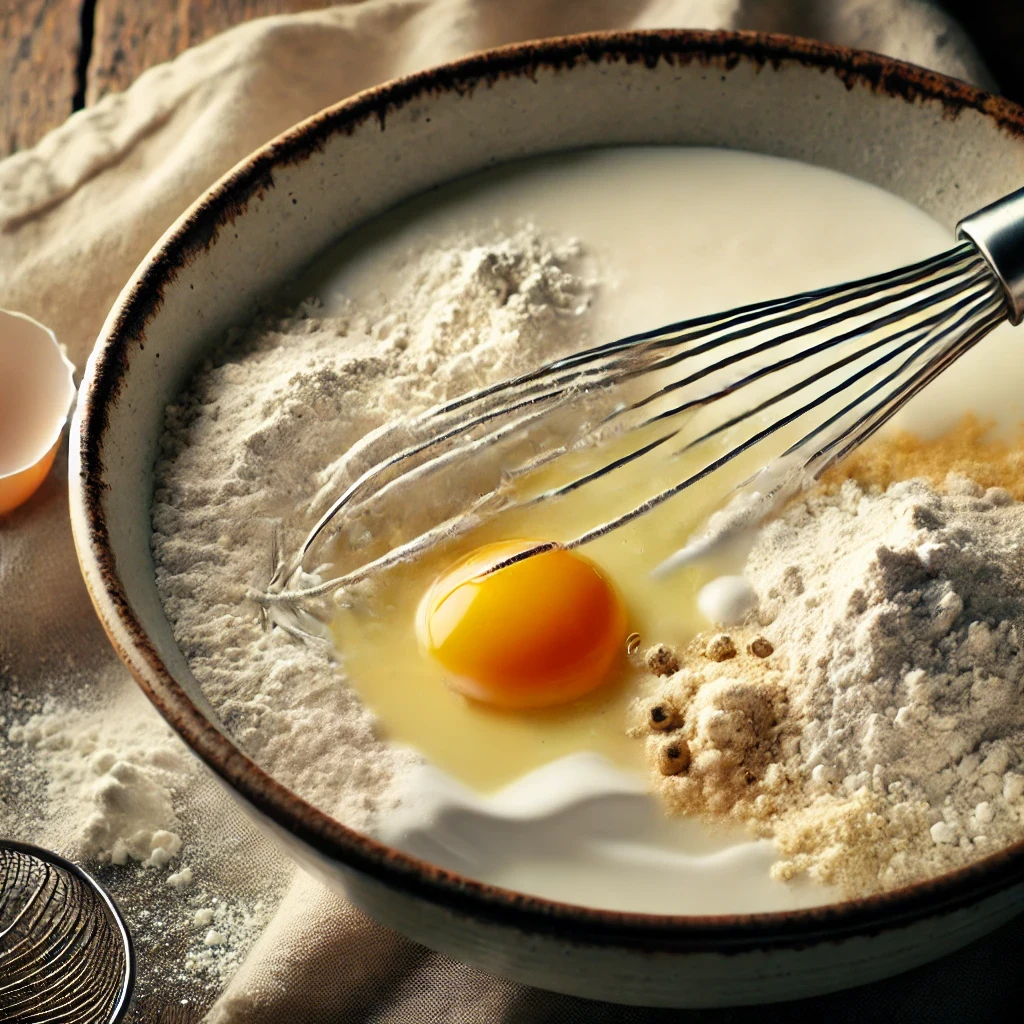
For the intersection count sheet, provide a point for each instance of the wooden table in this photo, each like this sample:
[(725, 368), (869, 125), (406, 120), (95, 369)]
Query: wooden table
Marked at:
[(57, 56)]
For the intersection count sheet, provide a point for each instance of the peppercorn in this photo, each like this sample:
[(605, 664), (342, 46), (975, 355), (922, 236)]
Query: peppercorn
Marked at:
[(720, 648), (661, 660)]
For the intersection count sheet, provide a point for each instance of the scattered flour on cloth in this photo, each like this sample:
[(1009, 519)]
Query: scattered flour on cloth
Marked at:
[(103, 780), (110, 780), (883, 739), (269, 430)]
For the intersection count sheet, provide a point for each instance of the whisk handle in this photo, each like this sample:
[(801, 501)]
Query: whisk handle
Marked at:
[(998, 231)]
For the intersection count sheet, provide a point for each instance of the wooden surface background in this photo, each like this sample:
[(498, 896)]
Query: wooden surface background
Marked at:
[(57, 56)]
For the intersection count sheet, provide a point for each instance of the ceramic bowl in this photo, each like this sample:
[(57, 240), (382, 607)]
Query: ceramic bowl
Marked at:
[(938, 143)]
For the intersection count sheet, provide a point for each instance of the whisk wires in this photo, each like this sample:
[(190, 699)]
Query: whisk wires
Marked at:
[(65, 956), (803, 380)]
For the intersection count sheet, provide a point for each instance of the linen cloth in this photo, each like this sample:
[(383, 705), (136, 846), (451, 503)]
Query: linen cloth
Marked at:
[(77, 214)]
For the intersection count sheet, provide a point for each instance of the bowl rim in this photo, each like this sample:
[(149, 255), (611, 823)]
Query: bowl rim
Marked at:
[(196, 229)]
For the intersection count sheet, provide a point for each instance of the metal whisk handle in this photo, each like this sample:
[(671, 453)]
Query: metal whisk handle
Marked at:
[(998, 231)]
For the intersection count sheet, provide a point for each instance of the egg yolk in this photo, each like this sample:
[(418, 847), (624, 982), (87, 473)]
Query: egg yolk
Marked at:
[(539, 632)]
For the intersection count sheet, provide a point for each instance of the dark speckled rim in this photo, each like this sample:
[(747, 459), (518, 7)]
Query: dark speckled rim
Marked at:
[(195, 232)]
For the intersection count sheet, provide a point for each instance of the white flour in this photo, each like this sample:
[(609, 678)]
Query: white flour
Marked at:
[(111, 781), (903, 616), (104, 781), (221, 934), (262, 428), (891, 744), (265, 427)]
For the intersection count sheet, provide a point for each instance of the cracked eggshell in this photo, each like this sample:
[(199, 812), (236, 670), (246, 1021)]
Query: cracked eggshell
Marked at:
[(36, 392)]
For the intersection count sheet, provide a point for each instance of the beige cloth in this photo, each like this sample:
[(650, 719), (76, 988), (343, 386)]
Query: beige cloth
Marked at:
[(79, 211)]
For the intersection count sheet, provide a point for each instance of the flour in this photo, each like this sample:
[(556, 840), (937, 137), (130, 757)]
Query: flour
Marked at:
[(222, 933), (110, 781), (181, 879), (883, 740), (287, 413), (255, 445), (909, 658)]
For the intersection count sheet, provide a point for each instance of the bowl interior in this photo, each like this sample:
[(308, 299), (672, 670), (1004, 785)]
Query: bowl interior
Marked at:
[(939, 146)]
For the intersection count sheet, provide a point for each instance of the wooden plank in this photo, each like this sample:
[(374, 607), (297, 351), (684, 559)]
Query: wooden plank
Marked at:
[(132, 35), (39, 42)]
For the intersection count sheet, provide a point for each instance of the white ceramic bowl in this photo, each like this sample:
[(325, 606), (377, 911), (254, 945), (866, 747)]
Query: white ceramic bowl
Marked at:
[(938, 143)]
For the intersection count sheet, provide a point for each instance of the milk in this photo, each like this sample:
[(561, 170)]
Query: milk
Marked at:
[(674, 233)]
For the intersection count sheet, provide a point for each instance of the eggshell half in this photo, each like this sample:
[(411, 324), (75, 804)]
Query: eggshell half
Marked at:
[(36, 391)]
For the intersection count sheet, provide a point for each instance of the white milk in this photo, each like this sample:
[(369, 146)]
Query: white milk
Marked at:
[(677, 233)]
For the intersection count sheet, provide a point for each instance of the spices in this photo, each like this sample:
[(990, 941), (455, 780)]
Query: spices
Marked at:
[(970, 449), (729, 722), (661, 660), (662, 715), (720, 648), (671, 755)]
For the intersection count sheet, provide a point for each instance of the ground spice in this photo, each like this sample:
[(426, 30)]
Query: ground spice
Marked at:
[(969, 449)]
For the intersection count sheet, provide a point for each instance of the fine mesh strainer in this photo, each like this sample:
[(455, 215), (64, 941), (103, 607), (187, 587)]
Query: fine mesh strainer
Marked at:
[(65, 954)]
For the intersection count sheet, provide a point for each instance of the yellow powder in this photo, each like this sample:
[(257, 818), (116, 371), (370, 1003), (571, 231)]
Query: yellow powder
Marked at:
[(836, 842), (732, 758), (967, 449)]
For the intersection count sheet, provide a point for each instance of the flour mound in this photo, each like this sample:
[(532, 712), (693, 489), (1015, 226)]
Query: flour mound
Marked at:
[(896, 746), (286, 414), (111, 782)]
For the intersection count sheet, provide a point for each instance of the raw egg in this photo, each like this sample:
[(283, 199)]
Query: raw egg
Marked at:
[(539, 645), (532, 633), (36, 389)]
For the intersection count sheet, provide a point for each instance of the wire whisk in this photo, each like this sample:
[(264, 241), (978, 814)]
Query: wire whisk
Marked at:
[(65, 954), (790, 386)]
